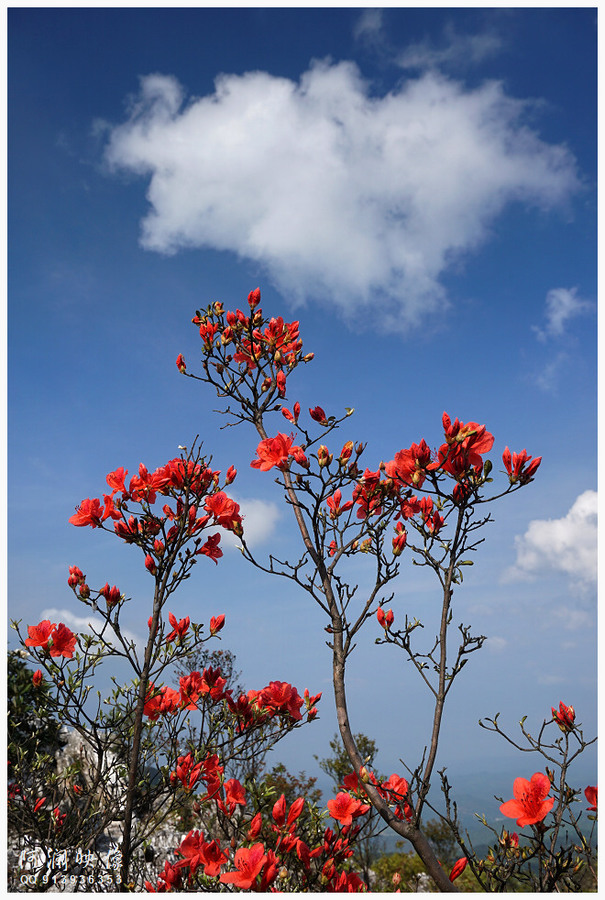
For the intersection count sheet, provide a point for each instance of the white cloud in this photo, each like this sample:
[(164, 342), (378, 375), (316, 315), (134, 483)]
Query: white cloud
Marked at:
[(457, 50), (567, 545), (259, 519), (339, 195), (562, 304), (496, 644), (369, 26)]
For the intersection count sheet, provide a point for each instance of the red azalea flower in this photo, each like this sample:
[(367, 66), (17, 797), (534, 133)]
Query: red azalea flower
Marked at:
[(564, 717), (249, 862), (76, 577), (530, 804), (345, 808), (179, 629), (39, 634), (180, 363), (274, 452), (318, 415), (336, 506), (515, 466), (64, 642), (216, 623), (37, 678), (591, 794), (458, 868), (89, 512), (115, 480), (385, 619), (409, 466), (211, 548), (112, 595)]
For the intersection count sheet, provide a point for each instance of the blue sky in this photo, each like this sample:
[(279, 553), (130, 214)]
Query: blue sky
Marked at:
[(418, 187)]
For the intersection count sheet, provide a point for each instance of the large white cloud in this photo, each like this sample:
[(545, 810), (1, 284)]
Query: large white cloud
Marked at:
[(339, 194), (567, 545)]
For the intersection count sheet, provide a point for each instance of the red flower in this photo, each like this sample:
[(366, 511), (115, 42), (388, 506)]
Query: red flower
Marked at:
[(112, 595), (89, 512), (37, 678), (279, 811), (216, 623), (211, 548), (591, 794), (345, 808), (76, 577), (291, 416), (318, 415), (64, 642), (191, 687), (180, 363), (281, 697), (530, 804), (225, 511), (231, 475), (115, 480), (464, 444), (515, 466), (186, 772), (564, 717), (150, 564), (336, 506), (235, 795), (179, 629), (39, 804), (386, 620), (39, 634), (400, 539), (249, 862), (254, 298), (409, 466), (458, 868), (274, 452)]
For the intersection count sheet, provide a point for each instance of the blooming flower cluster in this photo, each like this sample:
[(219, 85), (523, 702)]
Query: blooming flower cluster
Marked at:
[(56, 640), (199, 503)]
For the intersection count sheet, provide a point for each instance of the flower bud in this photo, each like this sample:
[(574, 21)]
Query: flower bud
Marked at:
[(216, 623), (345, 453), (180, 363), (84, 591), (254, 298), (231, 473), (324, 457), (150, 564), (37, 678)]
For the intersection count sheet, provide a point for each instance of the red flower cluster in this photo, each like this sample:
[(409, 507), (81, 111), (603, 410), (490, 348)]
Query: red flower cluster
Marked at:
[(564, 717), (190, 484), (515, 466), (277, 452), (57, 640)]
